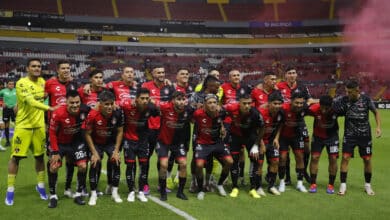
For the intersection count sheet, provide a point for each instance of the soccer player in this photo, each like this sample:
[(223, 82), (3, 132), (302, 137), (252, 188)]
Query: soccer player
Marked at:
[(325, 133), (260, 95), (9, 107), (357, 132), (209, 134), (96, 86), (29, 128), (273, 119), (66, 140), (175, 122), (287, 88), (292, 136), (246, 130), (104, 134), (135, 144), (160, 92), (214, 73), (55, 90), (125, 88)]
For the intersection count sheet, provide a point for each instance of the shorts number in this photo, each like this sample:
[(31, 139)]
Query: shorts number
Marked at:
[(80, 155), (368, 150), (333, 149)]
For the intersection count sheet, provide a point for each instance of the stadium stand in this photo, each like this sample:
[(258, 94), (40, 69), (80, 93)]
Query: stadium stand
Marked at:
[(100, 8), (48, 6), (140, 9)]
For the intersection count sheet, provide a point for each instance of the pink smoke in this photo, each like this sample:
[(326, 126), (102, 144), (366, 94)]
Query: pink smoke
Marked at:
[(368, 30)]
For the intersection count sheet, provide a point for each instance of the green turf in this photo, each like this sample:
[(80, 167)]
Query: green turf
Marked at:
[(290, 205)]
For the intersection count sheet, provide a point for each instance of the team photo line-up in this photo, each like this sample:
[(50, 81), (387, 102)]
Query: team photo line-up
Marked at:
[(221, 121)]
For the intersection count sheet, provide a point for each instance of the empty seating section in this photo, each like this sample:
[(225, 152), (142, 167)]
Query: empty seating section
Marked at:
[(249, 12), (101, 8), (195, 11), (303, 10), (140, 9), (48, 6)]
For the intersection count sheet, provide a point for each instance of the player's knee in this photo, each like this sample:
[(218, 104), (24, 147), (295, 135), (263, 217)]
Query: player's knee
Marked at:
[(82, 167), (182, 163)]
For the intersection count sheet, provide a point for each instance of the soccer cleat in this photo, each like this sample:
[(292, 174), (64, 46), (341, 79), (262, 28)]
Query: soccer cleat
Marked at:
[(7, 144), (108, 190), (92, 199), (9, 198), (368, 189), (78, 199), (301, 187), (166, 189), (221, 190), (253, 193), (313, 188), (330, 189), (200, 195), (146, 190), (274, 191), (131, 197), (53, 201), (84, 193), (99, 193), (282, 186), (116, 198), (2, 148), (141, 196), (42, 192), (170, 184), (343, 189), (163, 196), (234, 193), (68, 193), (181, 196), (261, 192)]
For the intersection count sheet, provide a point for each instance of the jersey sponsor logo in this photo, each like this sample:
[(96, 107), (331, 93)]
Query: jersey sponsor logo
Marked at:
[(71, 130), (61, 100), (173, 124), (124, 96), (103, 133), (58, 88)]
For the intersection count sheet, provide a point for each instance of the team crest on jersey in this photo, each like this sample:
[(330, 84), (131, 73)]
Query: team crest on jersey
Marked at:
[(219, 120), (147, 114), (229, 91), (289, 115), (242, 91), (171, 113), (190, 88), (82, 116), (185, 115), (166, 91), (302, 114), (99, 122), (279, 118), (67, 121), (114, 121), (334, 117)]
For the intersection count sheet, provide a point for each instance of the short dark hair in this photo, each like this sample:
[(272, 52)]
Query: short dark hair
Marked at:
[(209, 79), (62, 62), (289, 67), (245, 96), (71, 93), (106, 95), (141, 91), (269, 73), (275, 96), (210, 96), (181, 68), (297, 95), (176, 94), (352, 84), (94, 72), (33, 59), (326, 100)]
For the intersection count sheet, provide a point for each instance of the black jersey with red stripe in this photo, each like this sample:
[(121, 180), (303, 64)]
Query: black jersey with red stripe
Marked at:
[(272, 124), (294, 122), (122, 91), (244, 125), (260, 97), (90, 99), (232, 94), (286, 90), (56, 90), (325, 125), (208, 129)]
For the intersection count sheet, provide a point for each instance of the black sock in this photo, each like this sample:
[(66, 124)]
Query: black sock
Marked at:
[(343, 177), (242, 168), (110, 174), (81, 181), (52, 180), (223, 177), (306, 159), (272, 179), (300, 172), (313, 178), (234, 170), (116, 175), (6, 132), (143, 176), (332, 179), (130, 176), (287, 169), (282, 172), (367, 177), (94, 176), (69, 175), (163, 184), (182, 183)]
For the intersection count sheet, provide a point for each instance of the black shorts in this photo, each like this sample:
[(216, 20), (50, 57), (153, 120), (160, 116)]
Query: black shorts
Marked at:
[(364, 144), (305, 133), (239, 142), (108, 149), (331, 144), (152, 138), (77, 152), (8, 114), (297, 144), (218, 150), (134, 149), (178, 151), (272, 153)]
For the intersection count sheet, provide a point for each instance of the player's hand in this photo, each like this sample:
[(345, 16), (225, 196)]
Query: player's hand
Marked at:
[(167, 82), (378, 132), (254, 152), (87, 89), (116, 157), (276, 143), (52, 109), (94, 160), (223, 132), (262, 149), (55, 162), (16, 109)]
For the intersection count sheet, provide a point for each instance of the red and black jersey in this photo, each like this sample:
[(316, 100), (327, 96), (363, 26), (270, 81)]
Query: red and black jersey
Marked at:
[(121, 91), (66, 128), (286, 90), (188, 90), (208, 129), (174, 125), (294, 122), (325, 125), (56, 90), (244, 125), (104, 129), (136, 122), (159, 95), (232, 94), (272, 124), (90, 99), (260, 97)]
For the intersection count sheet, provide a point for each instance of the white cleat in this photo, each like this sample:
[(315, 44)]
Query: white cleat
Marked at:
[(131, 197), (343, 189), (116, 198), (301, 187), (274, 191), (68, 193), (92, 200), (221, 190), (261, 192), (368, 189), (200, 196), (282, 186), (141, 196)]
